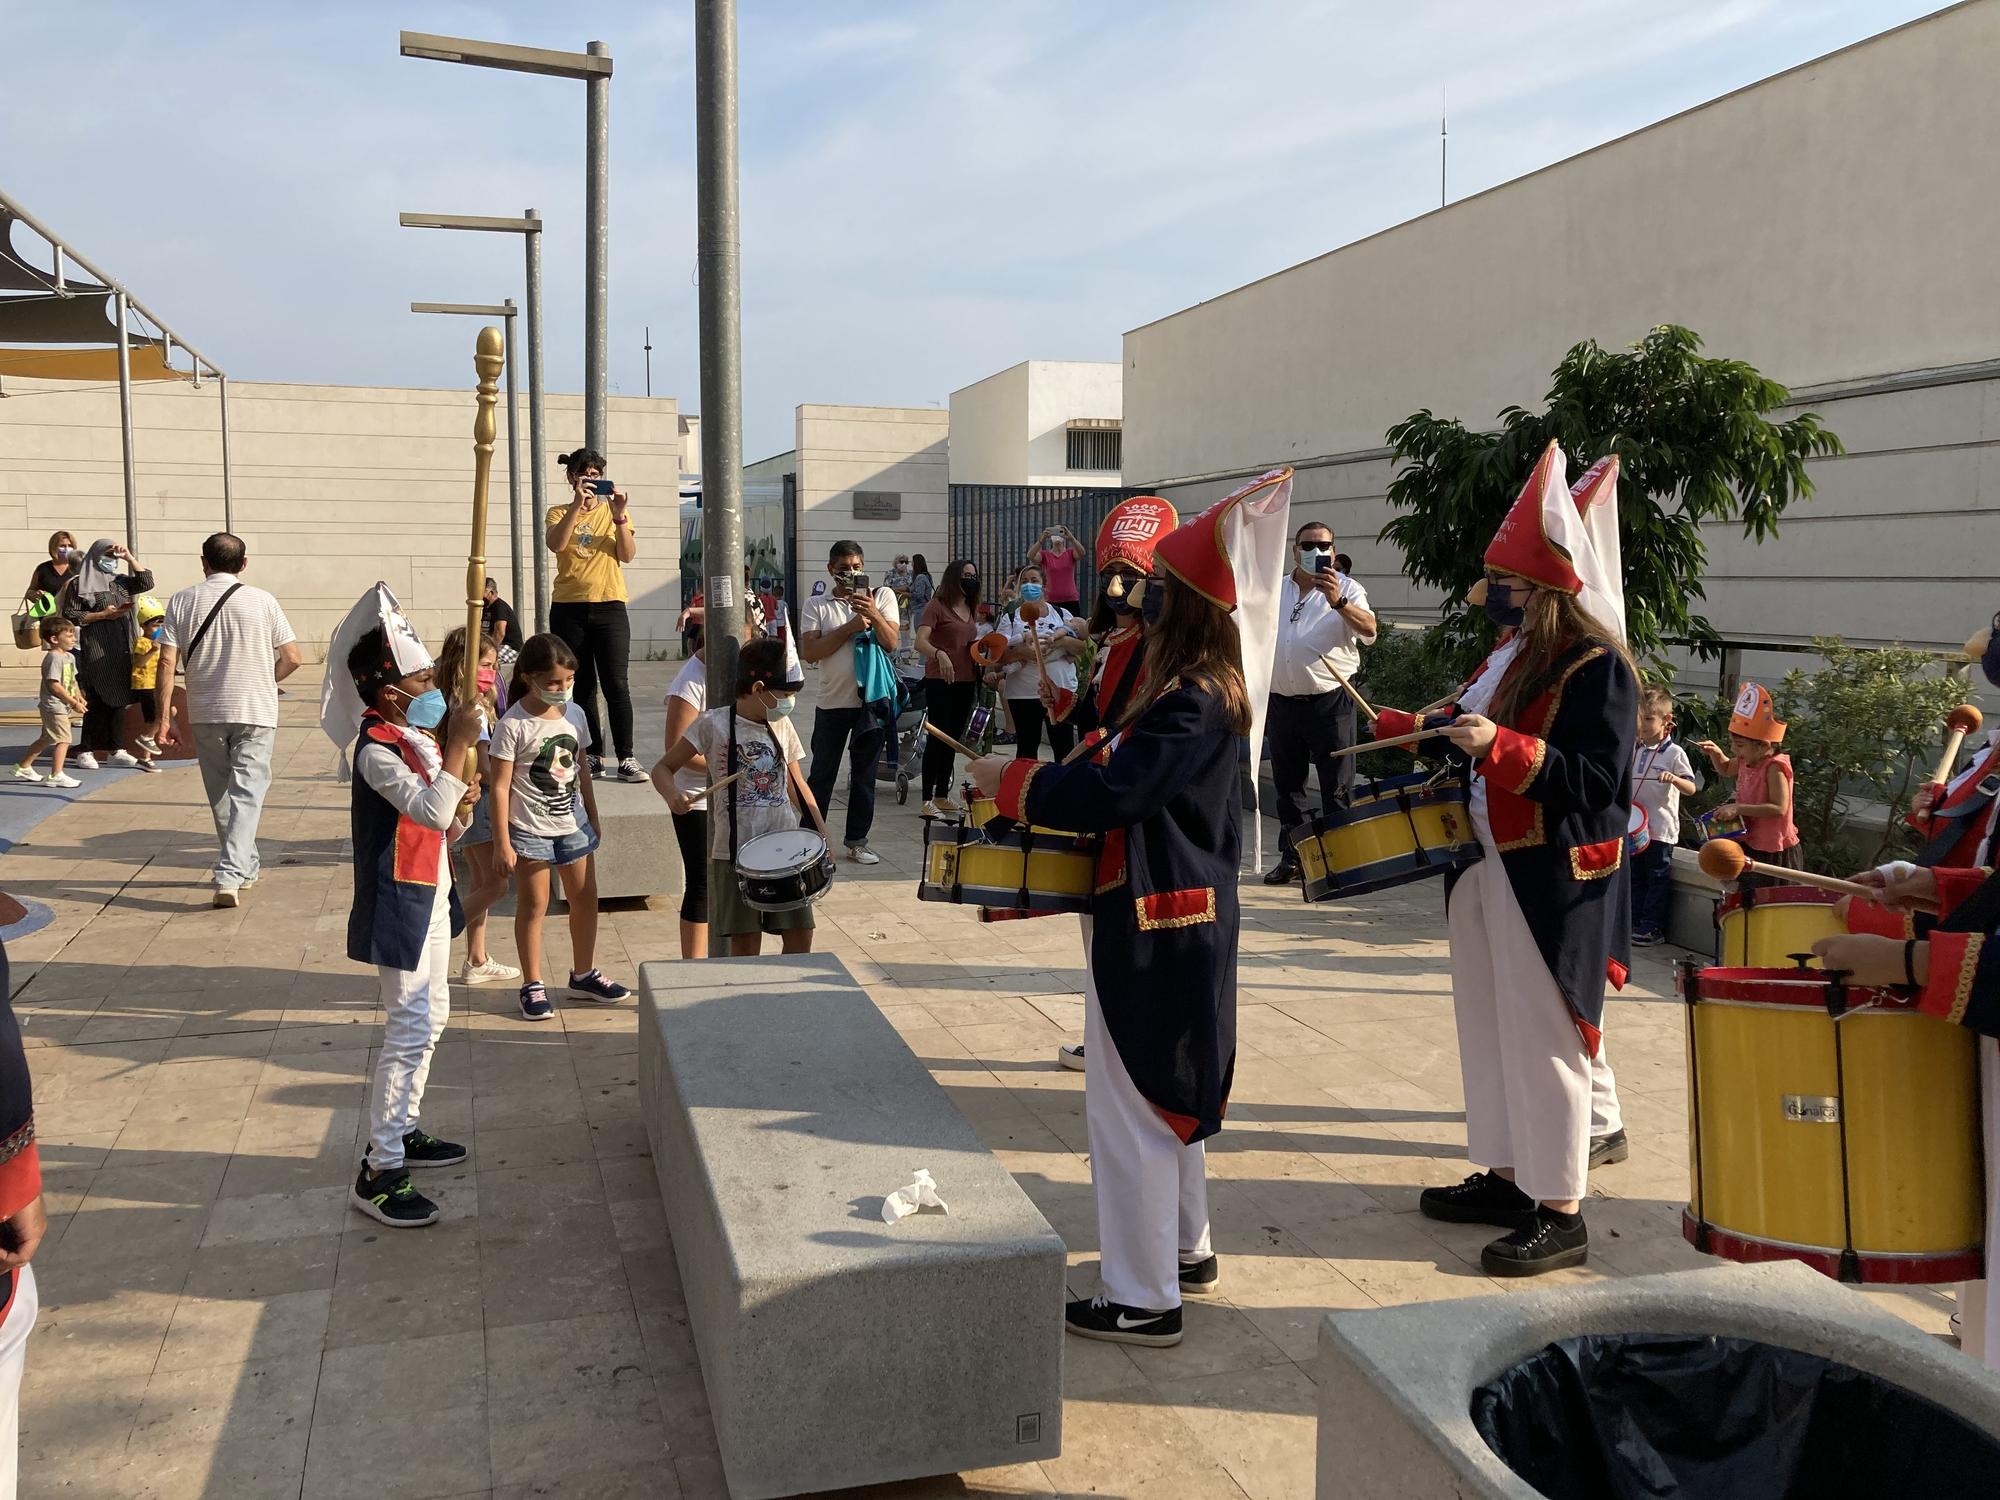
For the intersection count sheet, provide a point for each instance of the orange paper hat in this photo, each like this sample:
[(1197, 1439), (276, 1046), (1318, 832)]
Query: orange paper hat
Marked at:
[(1754, 717), (1132, 530)]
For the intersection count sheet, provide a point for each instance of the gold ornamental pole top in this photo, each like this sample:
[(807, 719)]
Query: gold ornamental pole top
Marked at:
[(487, 358)]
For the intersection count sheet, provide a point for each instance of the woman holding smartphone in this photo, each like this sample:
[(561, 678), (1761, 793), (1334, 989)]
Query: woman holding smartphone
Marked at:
[(593, 538)]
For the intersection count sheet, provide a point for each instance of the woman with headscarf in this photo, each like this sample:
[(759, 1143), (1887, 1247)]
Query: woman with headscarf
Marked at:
[(101, 602)]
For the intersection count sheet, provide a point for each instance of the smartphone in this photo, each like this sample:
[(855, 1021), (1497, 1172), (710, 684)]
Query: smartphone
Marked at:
[(602, 487), (1323, 563)]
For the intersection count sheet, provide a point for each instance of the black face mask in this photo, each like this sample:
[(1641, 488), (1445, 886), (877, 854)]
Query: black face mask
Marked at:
[(1118, 604), (1990, 662), (1504, 606), (969, 587), (1154, 602)]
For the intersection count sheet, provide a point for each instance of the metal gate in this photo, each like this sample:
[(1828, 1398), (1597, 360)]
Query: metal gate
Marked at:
[(996, 524)]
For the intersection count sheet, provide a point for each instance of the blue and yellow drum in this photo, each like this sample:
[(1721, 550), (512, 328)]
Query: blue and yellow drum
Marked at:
[(1394, 831)]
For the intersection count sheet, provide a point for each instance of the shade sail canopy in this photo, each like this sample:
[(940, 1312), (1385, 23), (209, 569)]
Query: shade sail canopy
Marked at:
[(32, 311), (149, 362)]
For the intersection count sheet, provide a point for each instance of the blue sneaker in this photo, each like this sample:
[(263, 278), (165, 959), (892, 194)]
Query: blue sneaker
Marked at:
[(594, 986), (535, 1002)]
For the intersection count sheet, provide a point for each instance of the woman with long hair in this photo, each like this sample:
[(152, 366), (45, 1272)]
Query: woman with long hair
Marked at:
[(1160, 940), (593, 538), (922, 587), (945, 633), (1538, 926)]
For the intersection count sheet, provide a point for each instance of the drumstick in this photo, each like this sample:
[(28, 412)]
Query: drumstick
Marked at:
[(718, 786), (1359, 701), (1961, 721), (1725, 859), (1388, 744), (963, 749)]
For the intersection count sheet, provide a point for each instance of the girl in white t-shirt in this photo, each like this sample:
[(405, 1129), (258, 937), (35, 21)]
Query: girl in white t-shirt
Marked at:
[(541, 781), (686, 699), (755, 736)]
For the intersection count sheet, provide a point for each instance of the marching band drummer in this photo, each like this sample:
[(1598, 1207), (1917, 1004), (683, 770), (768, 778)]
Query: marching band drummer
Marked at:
[(1160, 986), (1125, 544), (1543, 919)]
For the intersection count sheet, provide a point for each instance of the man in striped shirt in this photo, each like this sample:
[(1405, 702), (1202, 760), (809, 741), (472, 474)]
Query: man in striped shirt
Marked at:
[(236, 646)]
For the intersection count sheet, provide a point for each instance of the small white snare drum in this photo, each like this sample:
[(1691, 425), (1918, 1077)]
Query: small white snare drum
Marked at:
[(784, 871)]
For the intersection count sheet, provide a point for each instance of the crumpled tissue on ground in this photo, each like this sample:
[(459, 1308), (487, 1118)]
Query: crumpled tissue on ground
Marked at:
[(921, 1193)]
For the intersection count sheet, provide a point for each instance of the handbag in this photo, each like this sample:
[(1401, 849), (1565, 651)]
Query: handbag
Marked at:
[(34, 609)]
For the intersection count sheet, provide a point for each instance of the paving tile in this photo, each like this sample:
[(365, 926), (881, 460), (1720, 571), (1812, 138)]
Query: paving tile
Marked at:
[(1131, 1443), (1261, 1424), (577, 1394), (235, 1331)]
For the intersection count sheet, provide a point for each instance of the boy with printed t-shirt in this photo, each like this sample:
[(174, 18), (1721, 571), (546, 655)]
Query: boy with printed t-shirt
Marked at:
[(59, 699)]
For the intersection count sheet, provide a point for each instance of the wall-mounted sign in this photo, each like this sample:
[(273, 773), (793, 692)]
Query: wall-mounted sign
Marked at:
[(877, 505)]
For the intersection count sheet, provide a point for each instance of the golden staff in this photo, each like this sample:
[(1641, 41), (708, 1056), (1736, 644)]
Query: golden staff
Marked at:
[(487, 358)]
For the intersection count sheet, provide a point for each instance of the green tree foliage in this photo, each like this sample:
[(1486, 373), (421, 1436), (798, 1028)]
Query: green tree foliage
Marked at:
[(1694, 446), (1404, 669)]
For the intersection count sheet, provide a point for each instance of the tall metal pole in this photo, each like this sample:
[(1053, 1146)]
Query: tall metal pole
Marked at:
[(228, 492), (513, 468), (125, 425), (649, 361), (596, 250), (537, 427), (721, 340)]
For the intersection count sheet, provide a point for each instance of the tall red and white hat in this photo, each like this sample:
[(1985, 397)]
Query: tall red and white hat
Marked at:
[(1132, 530), (1565, 537)]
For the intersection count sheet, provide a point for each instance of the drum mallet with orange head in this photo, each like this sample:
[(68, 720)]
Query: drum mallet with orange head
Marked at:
[(1725, 859), (1961, 721)]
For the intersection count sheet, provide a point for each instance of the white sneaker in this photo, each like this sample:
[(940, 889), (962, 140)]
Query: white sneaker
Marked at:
[(145, 765), (226, 897), (1070, 1055), (861, 854), (928, 810), (124, 758), (83, 760), (946, 807), (27, 773), (148, 744), (63, 780), (490, 972)]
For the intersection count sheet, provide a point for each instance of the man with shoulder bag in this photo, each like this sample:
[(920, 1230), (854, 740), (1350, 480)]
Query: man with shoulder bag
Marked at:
[(235, 645)]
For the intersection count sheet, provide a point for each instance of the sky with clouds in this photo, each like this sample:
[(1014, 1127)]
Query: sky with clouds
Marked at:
[(931, 192)]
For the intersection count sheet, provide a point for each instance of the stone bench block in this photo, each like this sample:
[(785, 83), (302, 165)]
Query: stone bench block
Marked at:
[(1396, 1384), (839, 1350), (638, 855)]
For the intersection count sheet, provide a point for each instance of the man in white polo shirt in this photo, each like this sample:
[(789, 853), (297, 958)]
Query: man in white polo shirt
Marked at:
[(236, 646), (837, 611), (1323, 621)]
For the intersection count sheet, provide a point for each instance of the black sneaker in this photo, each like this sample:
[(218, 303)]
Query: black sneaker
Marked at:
[(1202, 1277), (1547, 1242), (1607, 1149), (595, 987), (1284, 872), (422, 1149), (596, 767), (1648, 939), (1483, 1198), (629, 769), (1113, 1322), (392, 1199), (535, 1002)]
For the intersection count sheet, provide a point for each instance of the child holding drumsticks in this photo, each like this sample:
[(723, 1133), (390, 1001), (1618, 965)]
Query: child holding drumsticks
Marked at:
[(1763, 781)]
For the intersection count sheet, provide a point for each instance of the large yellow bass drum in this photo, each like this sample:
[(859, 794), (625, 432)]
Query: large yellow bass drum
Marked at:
[(1770, 926), (1832, 1125)]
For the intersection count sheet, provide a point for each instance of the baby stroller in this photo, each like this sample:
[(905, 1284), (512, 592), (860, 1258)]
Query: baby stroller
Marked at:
[(903, 752)]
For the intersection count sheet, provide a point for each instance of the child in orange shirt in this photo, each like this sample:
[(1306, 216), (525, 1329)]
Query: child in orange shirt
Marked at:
[(1763, 780)]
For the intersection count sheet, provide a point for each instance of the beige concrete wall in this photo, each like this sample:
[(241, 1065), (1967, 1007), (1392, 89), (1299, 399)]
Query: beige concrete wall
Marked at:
[(1833, 223), (335, 487), (842, 449), (1059, 392), (989, 429)]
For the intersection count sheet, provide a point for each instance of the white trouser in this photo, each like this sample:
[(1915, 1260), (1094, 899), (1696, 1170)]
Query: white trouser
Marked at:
[(1978, 1310), (14, 1333), (1152, 1191), (1527, 1077), (1605, 1116), (415, 1007)]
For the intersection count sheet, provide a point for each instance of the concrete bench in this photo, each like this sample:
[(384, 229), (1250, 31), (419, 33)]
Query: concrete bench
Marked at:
[(638, 856), (839, 1350)]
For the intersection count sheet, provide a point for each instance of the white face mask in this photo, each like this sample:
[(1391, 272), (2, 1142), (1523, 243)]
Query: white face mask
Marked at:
[(1315, 559)]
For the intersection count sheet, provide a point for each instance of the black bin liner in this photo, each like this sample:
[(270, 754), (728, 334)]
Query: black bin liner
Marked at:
[(1644, 1415)]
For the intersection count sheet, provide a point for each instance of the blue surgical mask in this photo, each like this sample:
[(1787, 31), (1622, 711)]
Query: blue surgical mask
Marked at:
[(107, 564), (1505, 606), (554, 697), (781, 705), (1031, 593), (1153, 601), (426, 710)]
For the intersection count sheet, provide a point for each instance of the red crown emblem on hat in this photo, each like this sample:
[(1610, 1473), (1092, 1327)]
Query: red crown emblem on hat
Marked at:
[(1132, 530)]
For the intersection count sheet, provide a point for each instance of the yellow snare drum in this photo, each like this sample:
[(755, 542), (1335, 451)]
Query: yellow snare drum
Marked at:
[(1766, 926), (988, 861), (1850, 1143), (1400, 829)]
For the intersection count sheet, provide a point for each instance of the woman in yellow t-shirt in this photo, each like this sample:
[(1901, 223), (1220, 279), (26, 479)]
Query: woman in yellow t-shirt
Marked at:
[(593, 538)]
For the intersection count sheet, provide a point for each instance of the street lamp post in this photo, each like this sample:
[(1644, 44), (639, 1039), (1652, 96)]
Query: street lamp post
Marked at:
[(718, 254), (593, 67), (529, 227), (505, 311)]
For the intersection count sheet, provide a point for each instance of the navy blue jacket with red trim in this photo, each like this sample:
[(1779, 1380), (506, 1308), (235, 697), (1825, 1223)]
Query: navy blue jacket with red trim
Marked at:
[(1559, 799), (1163, 938), (395, 869)]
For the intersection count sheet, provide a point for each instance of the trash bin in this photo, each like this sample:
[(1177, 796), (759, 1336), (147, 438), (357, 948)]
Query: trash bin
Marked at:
[(1639, 1416)]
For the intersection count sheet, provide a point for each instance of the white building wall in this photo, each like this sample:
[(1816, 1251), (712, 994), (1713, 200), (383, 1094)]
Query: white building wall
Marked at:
[(901, 450), (1059, 392), (335, 487), (989, 429), (1832, 225)]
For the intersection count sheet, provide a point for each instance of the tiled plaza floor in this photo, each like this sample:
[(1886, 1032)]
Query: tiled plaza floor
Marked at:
[(217, 1322)]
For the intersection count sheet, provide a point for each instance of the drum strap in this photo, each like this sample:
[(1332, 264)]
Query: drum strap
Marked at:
[(729, 765), (1951, 824), (1027, 852)]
